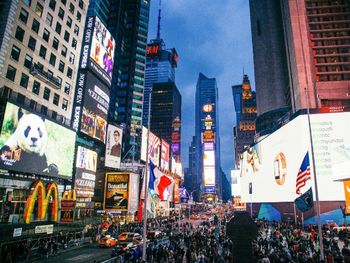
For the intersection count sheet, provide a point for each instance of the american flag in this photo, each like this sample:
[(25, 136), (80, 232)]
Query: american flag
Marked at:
[(303, 174), (153, 148)]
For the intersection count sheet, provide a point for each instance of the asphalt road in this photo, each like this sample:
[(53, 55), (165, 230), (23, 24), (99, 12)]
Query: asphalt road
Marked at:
[(85, 254)]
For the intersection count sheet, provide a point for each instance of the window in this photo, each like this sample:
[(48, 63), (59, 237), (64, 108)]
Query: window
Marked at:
[(65, 104), (69, 72), (76, 30), (31, 43), (23, 16), (46, 35), (49, 73), (46, 95), (67, 88), (35, 26), (49, 19), (61, 13), (24, 81), (61, 66), (58, 28), (11, 73), (36, 87), (43, 110), (56, 99), (15, 53), (39, 65), (19, 33), (52, 4), (69, 21), (20, 98), (42, 51), (28, 60), (78, 16), (27, 2), (66, 36), (32, 104), (64, 2), (54, 115), (64, 51), (71, 58), (55, 43), (52, 59), (59, 80), (74, 43), (71, 8), (39, 9), (81, 4)]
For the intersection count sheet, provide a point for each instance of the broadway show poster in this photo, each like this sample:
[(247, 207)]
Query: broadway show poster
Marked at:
[(113, 146), (95, 109), (116, 191)]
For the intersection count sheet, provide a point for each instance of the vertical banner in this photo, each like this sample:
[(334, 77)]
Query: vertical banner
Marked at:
[(116, 195), (347, 196), (113, 146), (164, 157), (176, 191)]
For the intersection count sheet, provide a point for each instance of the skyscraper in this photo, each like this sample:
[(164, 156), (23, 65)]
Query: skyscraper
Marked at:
[(308, 47), (100, 8), (245, 107), (207, 138)]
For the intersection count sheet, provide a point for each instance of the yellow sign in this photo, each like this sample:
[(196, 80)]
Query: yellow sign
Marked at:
[(42, 194)]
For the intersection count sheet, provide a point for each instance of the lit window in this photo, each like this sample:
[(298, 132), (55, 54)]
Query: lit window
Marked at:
[(39, 9)]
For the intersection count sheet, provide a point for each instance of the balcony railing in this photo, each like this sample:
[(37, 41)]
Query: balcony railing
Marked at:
[(45, 76)]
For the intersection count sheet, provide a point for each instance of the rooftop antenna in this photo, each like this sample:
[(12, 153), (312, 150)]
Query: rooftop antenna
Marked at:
[(159, 11)]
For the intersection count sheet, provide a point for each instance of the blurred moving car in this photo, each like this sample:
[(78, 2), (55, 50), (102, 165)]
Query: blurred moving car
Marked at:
[(107, 241), (194, 217), (204, 217), (128, 237)]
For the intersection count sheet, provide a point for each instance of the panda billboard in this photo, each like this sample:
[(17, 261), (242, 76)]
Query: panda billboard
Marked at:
[(30, 144)]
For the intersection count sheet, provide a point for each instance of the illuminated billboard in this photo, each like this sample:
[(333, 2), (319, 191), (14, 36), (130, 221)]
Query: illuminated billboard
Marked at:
[(209, 175), (31, 144), (164, 156), (122, 191), (113, 146), (208, 136), (95, 109), (153, 147), (85, 174), (207, 108), (98, 49), (271, 166), (208, 158)]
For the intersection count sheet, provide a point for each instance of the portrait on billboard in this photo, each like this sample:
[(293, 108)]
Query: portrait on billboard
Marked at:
[(31, 144), (117, 191), (113, 146), (102, 48), (95, 109)]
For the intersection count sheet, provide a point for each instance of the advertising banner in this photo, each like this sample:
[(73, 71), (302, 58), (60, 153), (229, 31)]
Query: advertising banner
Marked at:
[(116, 195), (272, 165), (176, 191), (209, 175), (153, 147), (30, 144), (95, 109), (134, 192), (113, 146), (164, 158), (85, 177)]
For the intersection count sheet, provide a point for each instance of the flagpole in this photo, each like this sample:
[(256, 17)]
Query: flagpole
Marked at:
[(144, 236), (315, 179)]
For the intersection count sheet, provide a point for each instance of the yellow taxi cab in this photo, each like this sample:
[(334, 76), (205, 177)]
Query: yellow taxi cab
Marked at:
[(107, 241), (194, 217)]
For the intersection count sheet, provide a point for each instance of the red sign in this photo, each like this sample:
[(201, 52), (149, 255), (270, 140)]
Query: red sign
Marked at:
[(208, 136), (152, 50), (175, 137)]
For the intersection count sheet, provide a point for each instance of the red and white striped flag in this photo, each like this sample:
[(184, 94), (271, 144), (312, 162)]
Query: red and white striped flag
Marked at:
[(304, 174)]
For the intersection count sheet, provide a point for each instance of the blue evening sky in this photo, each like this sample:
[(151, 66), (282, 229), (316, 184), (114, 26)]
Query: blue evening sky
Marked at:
[(212, 37)]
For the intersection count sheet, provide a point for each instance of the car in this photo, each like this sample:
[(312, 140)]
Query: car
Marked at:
[(194, 217), (107, 241), (204, 217), (129, 237), (208, 212)]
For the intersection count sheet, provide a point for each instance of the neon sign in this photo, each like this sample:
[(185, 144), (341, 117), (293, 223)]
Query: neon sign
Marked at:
[(38, 191), (152, 50)]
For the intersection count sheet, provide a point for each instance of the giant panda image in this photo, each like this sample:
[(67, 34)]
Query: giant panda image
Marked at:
[(29, 140)]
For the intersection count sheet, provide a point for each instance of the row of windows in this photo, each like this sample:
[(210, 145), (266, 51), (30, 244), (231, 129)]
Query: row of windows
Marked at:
[(331, 51), (325, 3), (333, 77), (335, 17), (335, 68), (334, 42), (326, 10), (328, 26), (24, 81), (331, 34), (332, 59)]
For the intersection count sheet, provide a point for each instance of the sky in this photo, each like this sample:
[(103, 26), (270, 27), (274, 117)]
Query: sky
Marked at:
[(212, 37)]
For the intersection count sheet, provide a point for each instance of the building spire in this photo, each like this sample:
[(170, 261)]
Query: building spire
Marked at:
[(159, 12)]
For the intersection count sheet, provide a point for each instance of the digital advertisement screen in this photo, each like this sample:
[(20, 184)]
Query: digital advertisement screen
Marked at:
[(102, 50), (164, 157), (209, 158), (116, 191), (30, 144), (95, 109), (85, 177), (235, 183), (209, 175), (272, 165), (113, 146), (153, 147)]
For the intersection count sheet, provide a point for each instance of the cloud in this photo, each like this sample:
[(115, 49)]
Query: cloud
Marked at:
[(212, 37)]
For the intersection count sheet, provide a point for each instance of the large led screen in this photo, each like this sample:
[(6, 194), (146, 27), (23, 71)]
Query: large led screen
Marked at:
[(164, 156), (209, 175), (30, 144), (86, 164), (113, 146), (117, 191), (272, 165), (95, 109), (208, 158), (153, 147)]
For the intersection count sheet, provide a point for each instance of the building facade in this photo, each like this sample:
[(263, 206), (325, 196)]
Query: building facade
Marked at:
[(308, 47), (245, 106), (207, 138)]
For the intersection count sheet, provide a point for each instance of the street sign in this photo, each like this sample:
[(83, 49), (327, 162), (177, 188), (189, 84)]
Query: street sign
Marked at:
[(17, 232)]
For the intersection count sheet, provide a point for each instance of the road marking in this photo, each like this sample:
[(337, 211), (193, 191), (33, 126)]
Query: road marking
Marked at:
[(80, 257)]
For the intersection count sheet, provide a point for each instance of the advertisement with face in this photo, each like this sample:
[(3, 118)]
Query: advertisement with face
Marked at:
[(31, 144), (102, 51), (164, 157), (272, 166), (113, 146), (116, 191), (153, 147), (95, 109), (85, 176)]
